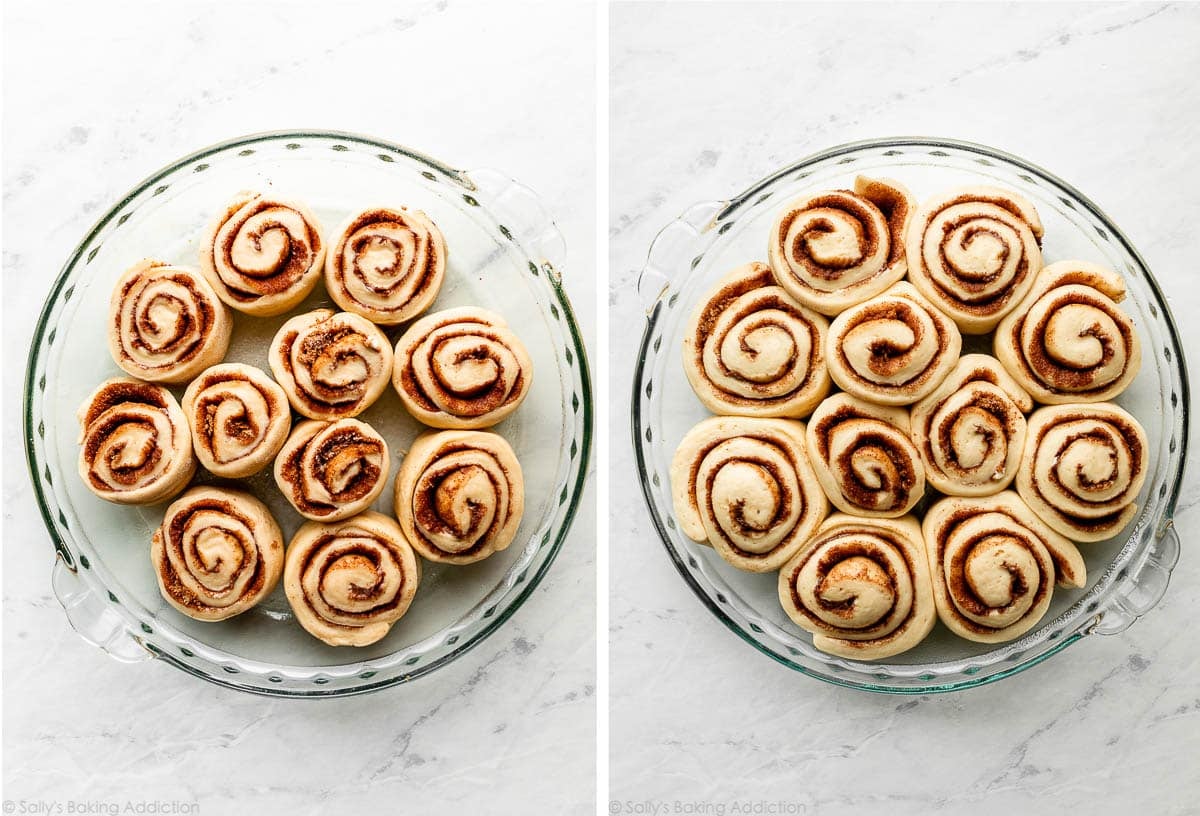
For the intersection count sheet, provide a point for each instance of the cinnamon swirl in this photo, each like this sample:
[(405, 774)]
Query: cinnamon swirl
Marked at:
[(974, 252), (239, 418), (751, 350), (744, 486), (332, 470), (1069, 341), (217, 553), (833, 249), (165, 323), (861, 587), (994, 565), (459, 495), (1082, 469)]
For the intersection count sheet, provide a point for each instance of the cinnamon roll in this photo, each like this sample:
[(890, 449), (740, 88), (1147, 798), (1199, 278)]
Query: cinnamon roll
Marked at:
[(971, 430), (863, 457), (135, 444), (893, 349), (459, 495), (217, 553), (861, 587), (349, 581), (1069, 341), (744, 486), (835, 248), (386, 265), (239, 418), (165, 323), (331, 365), (461, 368), (332, 470), (263, 255), (1082, 469), (751, 350), (974, 252), (994, 565)]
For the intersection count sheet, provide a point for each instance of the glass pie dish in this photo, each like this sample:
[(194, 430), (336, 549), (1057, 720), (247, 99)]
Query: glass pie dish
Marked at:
[(1127, 574), (504, 254)]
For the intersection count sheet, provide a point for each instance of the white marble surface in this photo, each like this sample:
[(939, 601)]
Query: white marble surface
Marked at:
[(99, 95), (707, 99)]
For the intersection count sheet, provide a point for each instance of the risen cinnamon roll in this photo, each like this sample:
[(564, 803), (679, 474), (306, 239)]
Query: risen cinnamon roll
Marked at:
[(332, 365), (461, 368), (263, 255), (349, 581), (135, 444), (862, 587), (332, 470), (165, 323), (744, 486), (1082, 469), (970, 431), (460, 495), (217, 553), (835, 248), (974, 252), (893, 349), (239, 418), (863, 457), (1069, 341), (994, 565), (752, 350), (386, 265)]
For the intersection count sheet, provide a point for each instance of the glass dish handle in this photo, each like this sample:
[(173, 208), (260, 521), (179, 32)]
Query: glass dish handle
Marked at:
[(93, 619), (1145, 588), (674, 248), (521, 216)]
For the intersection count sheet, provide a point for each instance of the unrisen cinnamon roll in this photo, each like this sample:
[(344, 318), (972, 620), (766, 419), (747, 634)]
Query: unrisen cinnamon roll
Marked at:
[(1068, 341), (332, 365), (863, 457), (217, 553), (752, 350), (460, 495), (332, 470), (971, 430), (386, 265), (263, 255), (239, 418), (862, 587), (833, 249), (165, 323), (1082, 469), (461, 368), (974, 252), (349, 581), (135, 444), (893, 349), (744, 486), (994, 565)]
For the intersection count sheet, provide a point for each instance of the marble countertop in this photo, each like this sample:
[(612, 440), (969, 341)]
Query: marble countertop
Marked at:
[(704, 101), (94, 102)]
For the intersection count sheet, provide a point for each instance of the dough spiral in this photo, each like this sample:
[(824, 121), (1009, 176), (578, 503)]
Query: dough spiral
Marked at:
[(751, 350), (165, 323), (861, 587), (1069, 341), (1082, 469), (239, 418), (833, 249), (863, 457), (994, 565), (744, 485), (974, 252), (217, 553), (332, 470), (386, 264), (460, 495)]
